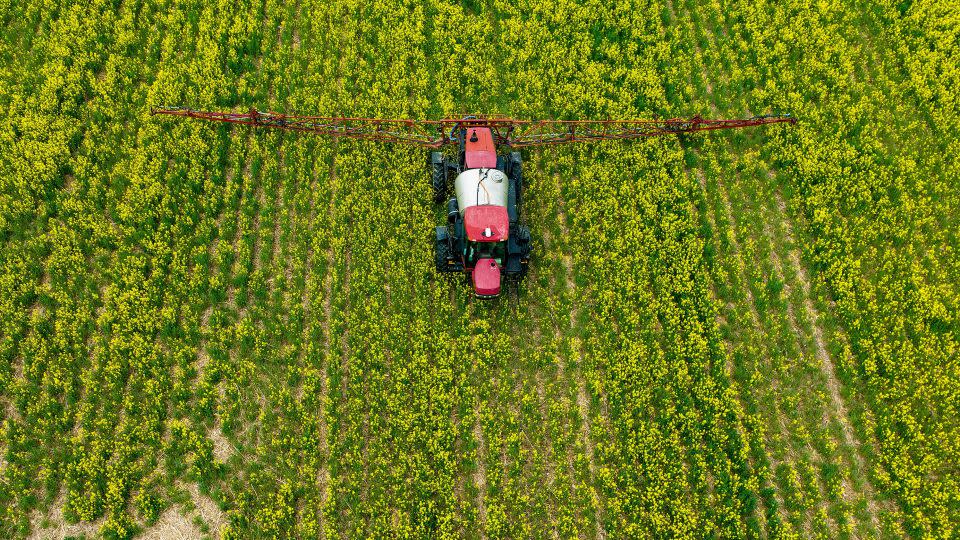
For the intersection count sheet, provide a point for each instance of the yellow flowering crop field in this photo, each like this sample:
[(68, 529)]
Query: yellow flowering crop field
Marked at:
[(215, 331)]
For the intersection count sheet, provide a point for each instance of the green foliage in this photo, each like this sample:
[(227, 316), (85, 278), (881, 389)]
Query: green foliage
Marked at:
[(245, 326)]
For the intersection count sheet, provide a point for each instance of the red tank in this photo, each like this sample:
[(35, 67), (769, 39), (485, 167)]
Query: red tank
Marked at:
[(479, 150)]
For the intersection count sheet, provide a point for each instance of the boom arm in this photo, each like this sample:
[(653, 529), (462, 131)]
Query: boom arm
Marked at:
[(506, 131), (386, 130), (548, 132)]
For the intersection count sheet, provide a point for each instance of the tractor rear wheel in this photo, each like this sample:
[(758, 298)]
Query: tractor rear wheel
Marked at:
[(438, 177), (516, 175)]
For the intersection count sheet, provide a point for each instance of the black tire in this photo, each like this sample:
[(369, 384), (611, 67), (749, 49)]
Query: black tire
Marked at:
[(523, 239), (503, 164), (442, 254), (516, 174), (438, 177)]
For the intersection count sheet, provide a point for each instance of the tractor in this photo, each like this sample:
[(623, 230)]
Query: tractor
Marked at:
[(483, 235)]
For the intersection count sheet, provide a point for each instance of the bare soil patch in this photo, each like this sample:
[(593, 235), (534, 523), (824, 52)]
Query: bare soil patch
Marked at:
[(829, 370), (480, 475), (208, 510), (222, 448), (58, 528), (172, 525)]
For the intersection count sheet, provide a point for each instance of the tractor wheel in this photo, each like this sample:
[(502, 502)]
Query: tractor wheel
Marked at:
[(443, 253), (523, 238), (516, 174), (438, 177)]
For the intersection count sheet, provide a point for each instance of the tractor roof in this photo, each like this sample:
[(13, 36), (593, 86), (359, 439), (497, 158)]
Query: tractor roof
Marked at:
[(486, 223), (479, 149)]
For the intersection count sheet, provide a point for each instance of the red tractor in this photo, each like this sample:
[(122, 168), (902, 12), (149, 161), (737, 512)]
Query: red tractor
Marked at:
[(483, 236)]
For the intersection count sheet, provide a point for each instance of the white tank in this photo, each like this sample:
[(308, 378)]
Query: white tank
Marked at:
[(481, 186)]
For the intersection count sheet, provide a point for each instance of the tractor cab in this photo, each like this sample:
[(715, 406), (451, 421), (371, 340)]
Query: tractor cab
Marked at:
[(486, 224)]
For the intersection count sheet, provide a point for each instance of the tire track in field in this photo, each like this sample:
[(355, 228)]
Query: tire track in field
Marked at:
[(827, 366), (459, 481), (764, 473), (530, 474), (323, 475), (536, 457), (254, 312), (711, 216), (579, 403), (548, 455), (563, 376), (755, 320), (823, 502), (573, 372), (344, 338), (792, 454), (806, 455), (212, 266), (255, 265), (820, 348), (258, 196), (792, 451), (315, 311), (283, 209), (549, 458), (262, 217), (778, 274), (490, 426), (308, 317), (728, 359), (461, 447), (480, 474), (244, 185), (539, 460), (336, 320), (582, 401), (249, 431), (222, 446)]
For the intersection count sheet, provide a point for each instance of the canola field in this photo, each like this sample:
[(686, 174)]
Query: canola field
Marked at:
[(214, 331)]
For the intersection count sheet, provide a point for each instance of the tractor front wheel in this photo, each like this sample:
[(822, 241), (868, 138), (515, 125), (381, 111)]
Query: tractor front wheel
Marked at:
[(443, 256), (443, 252)]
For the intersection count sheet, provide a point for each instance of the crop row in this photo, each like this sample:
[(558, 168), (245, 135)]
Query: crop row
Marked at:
[(245, 327)]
